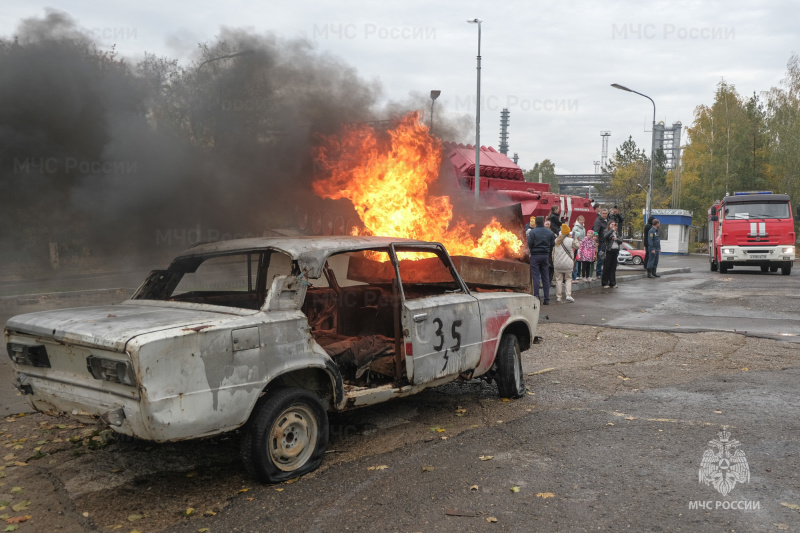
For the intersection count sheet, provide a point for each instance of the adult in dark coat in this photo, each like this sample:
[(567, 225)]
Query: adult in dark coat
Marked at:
[(599, 228), (613, 243), (540, 246), (654, 249), (644, 238), (615, 216), (555, 220)]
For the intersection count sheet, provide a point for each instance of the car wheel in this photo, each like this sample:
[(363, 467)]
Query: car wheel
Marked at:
[(510, 382), (786, 270), (286, 435), (637, 260)]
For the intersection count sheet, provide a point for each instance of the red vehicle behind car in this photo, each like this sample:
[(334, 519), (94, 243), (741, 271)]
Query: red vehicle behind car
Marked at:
[(634, 256)]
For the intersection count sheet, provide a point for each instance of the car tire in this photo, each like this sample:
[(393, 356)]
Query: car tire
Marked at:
[(510, 381), (286, 436), (637, 260), (786, 270)]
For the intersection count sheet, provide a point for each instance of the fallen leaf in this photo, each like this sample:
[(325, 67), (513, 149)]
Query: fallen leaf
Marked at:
[(545, 495), (486, 457), (85, 514), (243, 490), (191, 474), (514, 489), (623, 378), (16, 490), (11, 528), (9, 457), (428, 468), (290, 481), (381, 467), (793, 506), (21, 506), (474, 487), (745, 369), (202, 530), (502, 400), (531, 393), (718, 412), (491, 519), (189, 511), (18, 519), (250, 499), (782, 526), (541, 371), (556, 382), (630, 418), (134, 517), (278, 490), (443, 438), (212, 513), (610, 424)]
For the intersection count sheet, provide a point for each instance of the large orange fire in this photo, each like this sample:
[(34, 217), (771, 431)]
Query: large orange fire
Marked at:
[(387, 182)]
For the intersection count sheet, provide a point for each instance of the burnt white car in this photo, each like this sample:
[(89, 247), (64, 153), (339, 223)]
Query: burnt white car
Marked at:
[(269, 335)]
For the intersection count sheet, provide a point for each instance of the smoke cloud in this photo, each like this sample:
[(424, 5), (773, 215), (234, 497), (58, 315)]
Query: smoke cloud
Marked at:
[(109, 158)]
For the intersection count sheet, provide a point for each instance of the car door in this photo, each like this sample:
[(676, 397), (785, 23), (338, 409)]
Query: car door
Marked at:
[(440, 319)]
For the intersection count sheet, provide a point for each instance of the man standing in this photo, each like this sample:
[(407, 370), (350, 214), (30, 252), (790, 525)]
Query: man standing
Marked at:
[(540, 245), (599, 228), (615, 216), (555, 220), (644, 238), (653, 249)]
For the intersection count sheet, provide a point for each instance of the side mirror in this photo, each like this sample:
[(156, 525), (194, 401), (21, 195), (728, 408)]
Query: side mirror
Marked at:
[(713, 210)]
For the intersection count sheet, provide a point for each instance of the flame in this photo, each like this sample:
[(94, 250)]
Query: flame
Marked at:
[(388, 181)]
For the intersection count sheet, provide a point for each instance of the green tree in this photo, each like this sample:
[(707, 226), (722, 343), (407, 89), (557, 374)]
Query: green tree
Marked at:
[(783, 111), (548, 171)]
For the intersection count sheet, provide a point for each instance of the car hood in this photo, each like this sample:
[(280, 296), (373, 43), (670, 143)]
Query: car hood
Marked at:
[(109, 326)]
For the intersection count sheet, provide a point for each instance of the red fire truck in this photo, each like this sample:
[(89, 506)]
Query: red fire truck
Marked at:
[(753, 228)]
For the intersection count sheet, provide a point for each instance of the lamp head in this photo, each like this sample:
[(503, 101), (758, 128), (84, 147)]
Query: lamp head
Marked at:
[(621, 87), (475, 21), (435, 94)]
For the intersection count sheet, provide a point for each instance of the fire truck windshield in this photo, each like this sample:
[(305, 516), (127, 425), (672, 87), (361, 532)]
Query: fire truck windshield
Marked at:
[(747, 211)]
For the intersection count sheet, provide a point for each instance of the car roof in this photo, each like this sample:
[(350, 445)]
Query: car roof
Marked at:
[(309, 251)]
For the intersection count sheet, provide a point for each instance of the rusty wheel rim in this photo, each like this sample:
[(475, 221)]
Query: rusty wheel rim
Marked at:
[(293, 438)]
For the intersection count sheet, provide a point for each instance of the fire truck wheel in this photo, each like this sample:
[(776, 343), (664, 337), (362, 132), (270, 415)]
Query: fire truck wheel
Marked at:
[(510, 381), (723, 268), (773, 269), (286, 435), (714, 266), (764, 268), (786, 270)]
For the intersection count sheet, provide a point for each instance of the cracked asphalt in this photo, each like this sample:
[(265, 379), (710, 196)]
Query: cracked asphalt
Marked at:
[(626, 391)]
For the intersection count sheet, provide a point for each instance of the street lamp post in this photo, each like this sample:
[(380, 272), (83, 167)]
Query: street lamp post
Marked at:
[(434, 96), (652, 146), (478, 119)]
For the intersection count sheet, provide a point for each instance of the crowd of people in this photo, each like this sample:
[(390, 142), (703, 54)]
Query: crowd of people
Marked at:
[(580, 255)]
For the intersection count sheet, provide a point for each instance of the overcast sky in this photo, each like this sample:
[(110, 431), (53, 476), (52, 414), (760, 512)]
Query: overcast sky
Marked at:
[(550, 63)]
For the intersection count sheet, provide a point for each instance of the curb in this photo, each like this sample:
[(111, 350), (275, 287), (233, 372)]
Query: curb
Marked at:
[(32, 299), (597, 284)]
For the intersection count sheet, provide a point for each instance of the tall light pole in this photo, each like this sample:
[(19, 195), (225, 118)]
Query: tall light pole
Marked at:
[(434, 96), (652, 147), (478, 119)]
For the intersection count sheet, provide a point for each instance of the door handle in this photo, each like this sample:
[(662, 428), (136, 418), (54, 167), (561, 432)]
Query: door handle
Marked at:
[(420, 317)]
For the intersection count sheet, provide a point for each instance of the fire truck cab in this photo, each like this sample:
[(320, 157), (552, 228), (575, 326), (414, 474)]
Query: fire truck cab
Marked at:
[(753, 228)]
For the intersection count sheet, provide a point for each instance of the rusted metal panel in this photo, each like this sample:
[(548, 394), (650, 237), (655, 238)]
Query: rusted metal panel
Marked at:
[(476, 272)]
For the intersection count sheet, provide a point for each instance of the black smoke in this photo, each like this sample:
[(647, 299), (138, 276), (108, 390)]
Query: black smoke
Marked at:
[(117, 159)]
